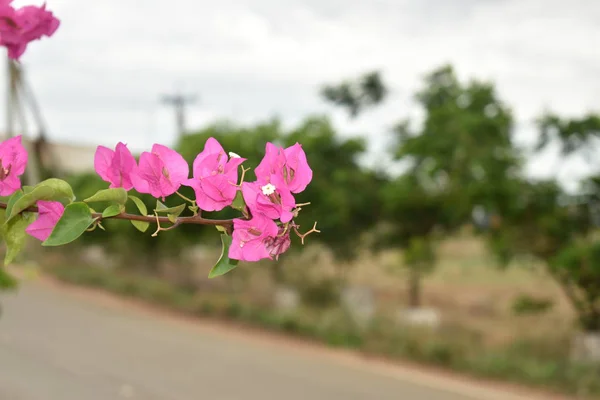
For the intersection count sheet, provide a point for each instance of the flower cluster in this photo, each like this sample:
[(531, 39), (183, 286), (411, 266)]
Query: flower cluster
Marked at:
[(271, 203), (19, 27), (269, 200)]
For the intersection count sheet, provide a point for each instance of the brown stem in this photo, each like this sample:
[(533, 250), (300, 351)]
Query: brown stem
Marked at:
[(196, 220)]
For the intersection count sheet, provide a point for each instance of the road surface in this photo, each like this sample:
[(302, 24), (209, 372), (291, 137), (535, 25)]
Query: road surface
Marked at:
[(57, 344)]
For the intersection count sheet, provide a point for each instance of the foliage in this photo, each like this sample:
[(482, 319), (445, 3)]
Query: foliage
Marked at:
[(356, 95), (573, 135), (577, 268)]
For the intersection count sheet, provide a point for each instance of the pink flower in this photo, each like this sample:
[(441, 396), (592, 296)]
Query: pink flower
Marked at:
[(273, 200), (13, 160), (115, 166), (272, 163), (49, 212), (215, 177), (279, 244), (161, 172), (249, 236), (22, 26), (290, 164), (297, 173)]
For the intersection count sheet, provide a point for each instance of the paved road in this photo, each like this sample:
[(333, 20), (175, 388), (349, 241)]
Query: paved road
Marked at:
[(56, 345)]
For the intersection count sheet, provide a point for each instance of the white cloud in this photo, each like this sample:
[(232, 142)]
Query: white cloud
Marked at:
[(99, 79)]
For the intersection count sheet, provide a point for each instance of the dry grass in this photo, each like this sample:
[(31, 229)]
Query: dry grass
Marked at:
[(473, 291)]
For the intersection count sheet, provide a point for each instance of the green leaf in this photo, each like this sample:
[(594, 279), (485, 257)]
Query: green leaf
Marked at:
[(221, 228), (14, 235), (177, 210), (76, 219), (12, 200), (141, 226), (224, 265), (51, 190), (172, 212), (112, 210), (160, 206), (115, 195), (238, 201), (140, 205), (28, 189)]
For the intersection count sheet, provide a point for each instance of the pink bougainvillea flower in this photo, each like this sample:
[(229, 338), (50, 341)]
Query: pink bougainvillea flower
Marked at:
[(49, 212), (297, 173), (161, 172), (272, 163), (249, 236), (115, 166), (290, 164), (13, 160), (279, 244), (273, 200), (24, 25), (215, 177)]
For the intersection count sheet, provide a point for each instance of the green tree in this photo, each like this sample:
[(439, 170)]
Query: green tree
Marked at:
[(461, 157), (557, 228)]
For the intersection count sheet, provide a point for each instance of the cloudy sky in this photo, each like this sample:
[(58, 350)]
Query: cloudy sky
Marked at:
[(100, 77)]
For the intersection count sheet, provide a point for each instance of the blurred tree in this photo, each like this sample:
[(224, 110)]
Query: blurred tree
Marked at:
[(464, 146), (358, 94), (554, 227), (461, 158), (557, 228)]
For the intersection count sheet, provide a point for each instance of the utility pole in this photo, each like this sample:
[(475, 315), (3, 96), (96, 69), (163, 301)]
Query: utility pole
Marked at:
[(179, 101), (14, 109)]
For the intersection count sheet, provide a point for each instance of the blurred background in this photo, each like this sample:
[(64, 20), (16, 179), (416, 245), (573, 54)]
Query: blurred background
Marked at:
[(454, 148)]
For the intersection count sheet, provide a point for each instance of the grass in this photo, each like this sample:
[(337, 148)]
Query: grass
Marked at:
[(529, 359)]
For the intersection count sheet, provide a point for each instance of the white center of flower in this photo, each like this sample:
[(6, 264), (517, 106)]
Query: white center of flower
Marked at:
[(268, 189), (234, 155)]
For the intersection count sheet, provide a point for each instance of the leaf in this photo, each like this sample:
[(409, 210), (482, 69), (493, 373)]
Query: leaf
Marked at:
[(238, 201), (177, 210), (27, 189), (14, 235), (221, 228), (141, 226), (115, 195), (112, 210), (224, 265), (76, 219), (12, 200), (139, 204), (51, 190), (160, 206)]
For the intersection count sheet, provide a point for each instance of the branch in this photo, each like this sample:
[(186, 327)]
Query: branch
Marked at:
[(195, 220)]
